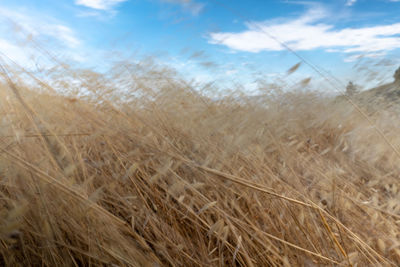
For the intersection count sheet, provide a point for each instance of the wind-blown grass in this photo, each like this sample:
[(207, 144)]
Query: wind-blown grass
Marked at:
[(159, 174)]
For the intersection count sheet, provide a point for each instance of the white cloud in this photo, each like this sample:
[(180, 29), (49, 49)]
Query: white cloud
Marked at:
[(231, 72), (38, 27), (21, 34), (309, 33), (12, 51), (350, 2), (99, 4), (62, 33), (189, 5)]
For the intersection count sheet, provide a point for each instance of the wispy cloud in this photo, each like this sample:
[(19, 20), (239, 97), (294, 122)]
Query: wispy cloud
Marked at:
[(195, 8), (62, 33), (13, 51), (231, 72), (99, 4), (309, 33), (350, 2), (39, 27), (18, 29)]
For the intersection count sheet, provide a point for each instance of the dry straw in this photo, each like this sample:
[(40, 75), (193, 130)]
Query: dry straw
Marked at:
[(138, 168)]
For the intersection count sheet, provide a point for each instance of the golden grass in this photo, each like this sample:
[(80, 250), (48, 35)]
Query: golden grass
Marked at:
[(170, 177)]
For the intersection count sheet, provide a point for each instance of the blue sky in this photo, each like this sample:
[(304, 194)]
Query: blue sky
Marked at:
[(227, 41)]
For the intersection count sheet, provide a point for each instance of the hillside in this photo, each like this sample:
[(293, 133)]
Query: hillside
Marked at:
[(387, 95)]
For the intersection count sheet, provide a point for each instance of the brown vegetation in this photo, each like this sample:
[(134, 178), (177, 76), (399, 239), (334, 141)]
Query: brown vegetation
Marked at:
[(157, 174)]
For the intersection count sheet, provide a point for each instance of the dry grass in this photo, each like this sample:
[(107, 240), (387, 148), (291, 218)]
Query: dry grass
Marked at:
[(157, 174)]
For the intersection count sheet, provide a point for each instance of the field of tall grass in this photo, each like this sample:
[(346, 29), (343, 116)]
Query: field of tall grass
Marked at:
[(137, 167)]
